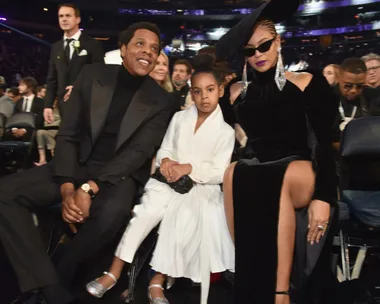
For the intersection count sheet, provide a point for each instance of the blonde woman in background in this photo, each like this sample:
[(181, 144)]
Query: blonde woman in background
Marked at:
[(161, 72), (161, 75), (331, 73)]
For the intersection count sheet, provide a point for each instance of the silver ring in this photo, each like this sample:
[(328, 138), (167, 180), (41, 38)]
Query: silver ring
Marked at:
[(321, 227)]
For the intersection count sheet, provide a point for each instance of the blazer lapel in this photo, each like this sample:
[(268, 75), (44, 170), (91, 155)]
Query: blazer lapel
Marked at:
[(82, 42), (136, 113), (101, 97)]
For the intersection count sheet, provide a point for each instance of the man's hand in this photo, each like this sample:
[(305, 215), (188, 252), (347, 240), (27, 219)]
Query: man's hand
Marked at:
[(166, 165), (83, 201), (18, 132), (68, 93), (177, 171), (71, 213), (48, 115)]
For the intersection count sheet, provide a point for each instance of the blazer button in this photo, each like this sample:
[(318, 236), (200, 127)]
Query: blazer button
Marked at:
[(123, 177)]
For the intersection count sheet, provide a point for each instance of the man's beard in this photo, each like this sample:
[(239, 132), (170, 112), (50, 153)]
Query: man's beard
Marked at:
[(179, 83)]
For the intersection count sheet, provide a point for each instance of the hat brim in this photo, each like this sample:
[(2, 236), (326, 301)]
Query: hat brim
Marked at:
[(275, 10)]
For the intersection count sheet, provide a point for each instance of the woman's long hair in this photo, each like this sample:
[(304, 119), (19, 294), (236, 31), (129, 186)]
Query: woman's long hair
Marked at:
[(167, 83)]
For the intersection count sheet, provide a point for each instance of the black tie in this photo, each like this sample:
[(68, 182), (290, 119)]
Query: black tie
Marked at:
[(67, 49)]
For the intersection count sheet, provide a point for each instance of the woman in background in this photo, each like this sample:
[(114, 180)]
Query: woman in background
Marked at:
[(161, 72), (331, 72)]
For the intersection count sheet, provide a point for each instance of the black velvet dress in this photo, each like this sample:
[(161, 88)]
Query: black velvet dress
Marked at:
[(282, 126)]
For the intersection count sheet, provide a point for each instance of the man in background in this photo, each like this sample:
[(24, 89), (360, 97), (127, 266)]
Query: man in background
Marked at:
[(67, 58)]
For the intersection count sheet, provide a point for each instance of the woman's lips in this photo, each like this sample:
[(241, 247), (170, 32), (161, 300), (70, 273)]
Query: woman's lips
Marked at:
[(260, 63)]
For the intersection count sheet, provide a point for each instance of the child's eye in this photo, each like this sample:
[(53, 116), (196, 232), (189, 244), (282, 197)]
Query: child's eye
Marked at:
[(139, 43), (211, 90), (196, 92)]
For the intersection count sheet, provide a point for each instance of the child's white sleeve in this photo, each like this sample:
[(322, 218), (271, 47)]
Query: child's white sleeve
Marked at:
[(212, 172), (166, 149)]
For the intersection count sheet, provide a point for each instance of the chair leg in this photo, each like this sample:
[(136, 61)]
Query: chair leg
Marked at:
[(359, 262)]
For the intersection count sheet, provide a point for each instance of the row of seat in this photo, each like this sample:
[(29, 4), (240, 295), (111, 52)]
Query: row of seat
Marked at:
[(359, 195)]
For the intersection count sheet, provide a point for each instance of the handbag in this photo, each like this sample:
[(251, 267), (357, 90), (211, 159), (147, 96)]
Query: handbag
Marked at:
[(182, 186)]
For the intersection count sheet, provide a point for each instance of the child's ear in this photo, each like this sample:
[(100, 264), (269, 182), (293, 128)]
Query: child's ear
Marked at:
[(221, 91)]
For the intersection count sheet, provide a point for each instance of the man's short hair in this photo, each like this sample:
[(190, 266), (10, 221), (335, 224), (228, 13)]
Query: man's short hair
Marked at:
[(126, 36), (353, 65), (73, 6), (40, 88), (14, 91), (371, 56), (186, 63), (31, 83)]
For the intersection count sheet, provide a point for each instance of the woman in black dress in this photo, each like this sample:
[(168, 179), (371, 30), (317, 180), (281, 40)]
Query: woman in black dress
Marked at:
[(290, 175)]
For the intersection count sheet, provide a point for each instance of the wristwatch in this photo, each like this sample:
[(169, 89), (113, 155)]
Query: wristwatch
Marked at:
[(87, 188)]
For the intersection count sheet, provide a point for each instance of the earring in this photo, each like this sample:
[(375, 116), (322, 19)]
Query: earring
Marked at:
[(244, 80), (279, 77)]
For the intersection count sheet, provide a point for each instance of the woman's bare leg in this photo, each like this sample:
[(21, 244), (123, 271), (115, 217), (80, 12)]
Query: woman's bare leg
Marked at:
[(296, 192), (158, 279), (228, 198), (116, 269), (42, 154)]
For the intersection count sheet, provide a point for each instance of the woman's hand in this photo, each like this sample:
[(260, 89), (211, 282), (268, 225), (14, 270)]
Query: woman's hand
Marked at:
[(166, 166), (319, 215)]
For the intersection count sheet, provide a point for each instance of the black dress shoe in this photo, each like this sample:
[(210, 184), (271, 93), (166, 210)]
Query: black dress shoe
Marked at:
[(31, 298)]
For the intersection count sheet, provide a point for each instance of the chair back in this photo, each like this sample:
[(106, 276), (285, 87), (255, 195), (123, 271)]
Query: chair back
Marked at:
[(25, 120), (360, 155)]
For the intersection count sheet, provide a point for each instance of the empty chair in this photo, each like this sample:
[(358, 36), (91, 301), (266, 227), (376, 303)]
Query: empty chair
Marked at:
[(360, 193)]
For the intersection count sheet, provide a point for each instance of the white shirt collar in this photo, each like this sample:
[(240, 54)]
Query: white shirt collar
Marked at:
[(76, 36)]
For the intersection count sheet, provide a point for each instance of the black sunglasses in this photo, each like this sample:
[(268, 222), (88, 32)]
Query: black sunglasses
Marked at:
[(262, 48), (350, 86)]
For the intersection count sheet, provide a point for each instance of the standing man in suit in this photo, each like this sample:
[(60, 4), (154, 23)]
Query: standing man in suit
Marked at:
[(68, 57), (118, 117)]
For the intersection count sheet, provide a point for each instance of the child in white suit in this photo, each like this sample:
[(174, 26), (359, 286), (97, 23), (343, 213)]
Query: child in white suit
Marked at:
[(194, 240)]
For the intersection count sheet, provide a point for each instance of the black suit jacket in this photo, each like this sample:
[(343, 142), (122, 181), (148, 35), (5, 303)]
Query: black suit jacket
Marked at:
[(141, 131), (37, 108), (62, 74)]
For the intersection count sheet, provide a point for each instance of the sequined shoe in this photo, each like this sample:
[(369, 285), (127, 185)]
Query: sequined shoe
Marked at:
[(156, 300), (98, 290)]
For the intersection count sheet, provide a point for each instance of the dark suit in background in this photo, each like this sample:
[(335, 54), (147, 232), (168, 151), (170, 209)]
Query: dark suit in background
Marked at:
[(63, 73), (140, 134), (37, 108)]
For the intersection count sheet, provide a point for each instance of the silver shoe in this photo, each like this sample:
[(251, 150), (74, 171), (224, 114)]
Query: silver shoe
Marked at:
[(156, 300), (98, 290)]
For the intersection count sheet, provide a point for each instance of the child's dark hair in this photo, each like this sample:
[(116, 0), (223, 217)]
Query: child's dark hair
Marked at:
[(206, 65)]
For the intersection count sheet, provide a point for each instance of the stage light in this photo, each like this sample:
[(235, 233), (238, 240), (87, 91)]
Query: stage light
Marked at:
[(3, 19), (46, 9)]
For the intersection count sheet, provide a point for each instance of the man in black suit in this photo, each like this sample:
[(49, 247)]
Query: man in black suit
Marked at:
[(28, 103), (68, 56), (118, 117)]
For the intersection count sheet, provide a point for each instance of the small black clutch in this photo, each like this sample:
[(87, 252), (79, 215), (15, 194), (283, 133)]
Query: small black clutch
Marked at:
[(182, 186)]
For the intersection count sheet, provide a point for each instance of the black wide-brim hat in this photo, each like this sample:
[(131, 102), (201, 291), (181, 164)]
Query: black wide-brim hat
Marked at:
[(238, 36)]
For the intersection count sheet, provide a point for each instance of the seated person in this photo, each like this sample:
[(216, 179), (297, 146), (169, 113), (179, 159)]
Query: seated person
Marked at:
[(193, 237), (8, 101), (28, 103), (46, 136)]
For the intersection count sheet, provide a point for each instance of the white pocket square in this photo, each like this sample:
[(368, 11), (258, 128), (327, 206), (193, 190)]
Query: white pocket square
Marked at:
[(83, 53)]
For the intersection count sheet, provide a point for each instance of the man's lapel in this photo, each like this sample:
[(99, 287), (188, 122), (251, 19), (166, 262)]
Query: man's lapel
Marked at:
[(61, 55), (102, 92), (136, 113), (82, 43)]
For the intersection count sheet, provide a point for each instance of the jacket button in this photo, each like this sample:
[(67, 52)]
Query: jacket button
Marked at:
[(123, 177)]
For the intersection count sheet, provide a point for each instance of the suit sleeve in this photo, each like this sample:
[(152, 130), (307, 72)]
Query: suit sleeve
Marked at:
[(166, 149), (212, 172), (139, 150), (321, 110), (97, 52), (65, 162), (52, 82)]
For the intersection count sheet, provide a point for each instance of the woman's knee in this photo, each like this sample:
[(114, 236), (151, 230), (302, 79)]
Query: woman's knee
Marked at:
[(299, 182)]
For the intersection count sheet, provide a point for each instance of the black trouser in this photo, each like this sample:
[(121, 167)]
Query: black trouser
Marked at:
[(22, 193)]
